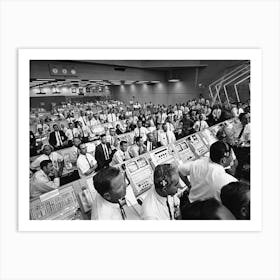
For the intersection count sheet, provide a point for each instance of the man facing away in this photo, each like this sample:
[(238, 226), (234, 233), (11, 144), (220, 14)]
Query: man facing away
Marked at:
[(208, 175), (160, 203)]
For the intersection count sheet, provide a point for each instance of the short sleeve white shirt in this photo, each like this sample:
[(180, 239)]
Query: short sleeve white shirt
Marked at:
[(206, 178), (84, 163)]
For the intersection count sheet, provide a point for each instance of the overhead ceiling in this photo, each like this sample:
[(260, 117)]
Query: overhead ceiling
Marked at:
[(149, 64)]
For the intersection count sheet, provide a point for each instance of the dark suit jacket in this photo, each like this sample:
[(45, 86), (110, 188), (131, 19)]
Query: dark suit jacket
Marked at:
[(100, 156), (52, 138)]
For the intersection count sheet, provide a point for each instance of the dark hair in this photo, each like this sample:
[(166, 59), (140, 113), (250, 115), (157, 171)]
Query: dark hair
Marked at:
[(138, 138), (201, 210), (233, 196), (102, 180), (241, 116), (44, 163), (55, 125), (163, 172), (102, 135), (123, 142), (218, 151), (79, 146)]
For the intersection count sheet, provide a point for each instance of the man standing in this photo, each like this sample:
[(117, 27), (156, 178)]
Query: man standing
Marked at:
[(71, 132), (166, 137), (201, 124), (141, 131), (57, 138), (103, 153), (208, 175)]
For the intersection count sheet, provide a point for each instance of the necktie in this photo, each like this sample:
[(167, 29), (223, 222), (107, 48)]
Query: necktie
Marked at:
[(169, 210), (83, 120), (241, 132), (199, 126), (139, 132), (167, 138), (88, 161), (72, 133), (59, 138), (122, 212), (105, 152)]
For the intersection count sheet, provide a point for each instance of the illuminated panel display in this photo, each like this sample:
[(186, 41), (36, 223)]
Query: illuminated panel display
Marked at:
[(140, 174), (183, 150), (208, 136), (198, 145), (162, 155)]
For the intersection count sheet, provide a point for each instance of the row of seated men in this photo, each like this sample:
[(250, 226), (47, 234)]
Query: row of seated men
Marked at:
[(109, 152), (212, 194), (183, 119)]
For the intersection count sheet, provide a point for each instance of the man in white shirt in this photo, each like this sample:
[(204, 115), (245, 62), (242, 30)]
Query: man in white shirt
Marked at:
[(201, 124), (166, 137), (112, 138), (83, 118), (111, 188), (141, 131), (160, 203), (74, 150), (48, 154), (111, 117), (138, 148), (121, 154), (71, 132), (41, 181), (208, 175), (86, 163)]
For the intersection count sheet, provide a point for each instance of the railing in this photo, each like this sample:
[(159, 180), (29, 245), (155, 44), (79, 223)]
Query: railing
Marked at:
[(220, 87)]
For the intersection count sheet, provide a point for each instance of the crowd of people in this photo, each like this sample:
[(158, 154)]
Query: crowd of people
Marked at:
[(213, 182)]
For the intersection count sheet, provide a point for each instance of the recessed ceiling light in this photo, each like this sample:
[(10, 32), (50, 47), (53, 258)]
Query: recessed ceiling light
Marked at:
[(173, 80)]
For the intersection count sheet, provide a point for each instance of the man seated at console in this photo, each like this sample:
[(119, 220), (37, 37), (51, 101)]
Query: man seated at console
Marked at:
[(121, 154), (208, 175), (111, 188), (48, 154), (71, 132), (41, 181), (160, 202), (74, 150), (209, 209), (151, 142), (86, 163), (138, 148), (236, 197)]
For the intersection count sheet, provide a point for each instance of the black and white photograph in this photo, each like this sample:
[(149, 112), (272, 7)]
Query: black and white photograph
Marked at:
[(152, 140)]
